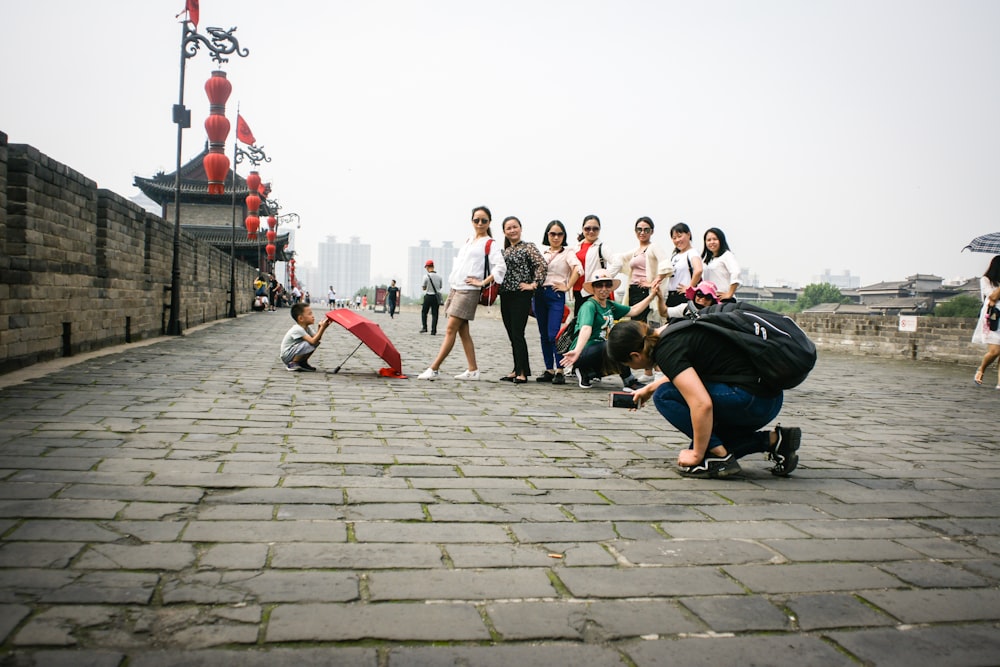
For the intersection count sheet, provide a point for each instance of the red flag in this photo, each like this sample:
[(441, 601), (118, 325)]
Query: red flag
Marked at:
[(192, 10), (243, 132)]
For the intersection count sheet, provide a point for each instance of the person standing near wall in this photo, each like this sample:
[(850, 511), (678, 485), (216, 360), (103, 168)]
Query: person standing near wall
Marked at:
[(432, 298), (989, 291)]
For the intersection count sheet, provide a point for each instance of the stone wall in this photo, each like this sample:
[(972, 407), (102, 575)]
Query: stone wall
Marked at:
[(945, 339), (83, 268)]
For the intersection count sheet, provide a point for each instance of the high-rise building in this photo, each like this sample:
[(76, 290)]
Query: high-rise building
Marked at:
[(839, 280), (345, 266), (417, 256)]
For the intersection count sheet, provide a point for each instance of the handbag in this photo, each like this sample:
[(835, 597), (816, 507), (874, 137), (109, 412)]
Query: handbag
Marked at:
[(564, 339), (993, 318), (489, 293)]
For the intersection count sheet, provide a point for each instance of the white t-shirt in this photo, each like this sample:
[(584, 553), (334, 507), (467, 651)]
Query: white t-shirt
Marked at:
[(292, 338), (682, 262), (723, 270)]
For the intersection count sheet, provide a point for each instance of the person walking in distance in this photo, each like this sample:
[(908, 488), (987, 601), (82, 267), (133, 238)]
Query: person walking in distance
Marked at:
[(432, 298), (392, 297)]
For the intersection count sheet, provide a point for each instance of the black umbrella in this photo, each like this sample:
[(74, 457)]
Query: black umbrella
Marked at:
[(986, 243)]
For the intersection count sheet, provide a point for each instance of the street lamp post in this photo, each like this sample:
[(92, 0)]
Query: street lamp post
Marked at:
[(285, 219), (255, 155), (221, 44)]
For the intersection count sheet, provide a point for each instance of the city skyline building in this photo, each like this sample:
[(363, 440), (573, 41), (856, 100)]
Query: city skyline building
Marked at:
[(345, 266), (417, 256), (839, 280)]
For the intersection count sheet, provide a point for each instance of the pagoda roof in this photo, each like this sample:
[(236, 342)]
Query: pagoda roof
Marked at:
[(246, 249), (194, 186)]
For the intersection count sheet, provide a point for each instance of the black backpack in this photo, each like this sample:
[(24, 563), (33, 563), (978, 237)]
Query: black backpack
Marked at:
[(778, 349)]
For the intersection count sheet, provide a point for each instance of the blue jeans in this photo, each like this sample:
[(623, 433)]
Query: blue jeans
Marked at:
[(549, 305), (737, 414)]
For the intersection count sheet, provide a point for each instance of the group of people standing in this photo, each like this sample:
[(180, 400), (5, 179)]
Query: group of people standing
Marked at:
[(539, 281)]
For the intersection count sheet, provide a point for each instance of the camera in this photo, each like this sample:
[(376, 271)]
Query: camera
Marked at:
[(621, 399)]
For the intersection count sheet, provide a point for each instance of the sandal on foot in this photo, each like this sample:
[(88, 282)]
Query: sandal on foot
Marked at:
[(979, 377)]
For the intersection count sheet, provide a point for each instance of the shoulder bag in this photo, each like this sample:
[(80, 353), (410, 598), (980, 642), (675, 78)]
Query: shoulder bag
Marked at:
[(489, 293)]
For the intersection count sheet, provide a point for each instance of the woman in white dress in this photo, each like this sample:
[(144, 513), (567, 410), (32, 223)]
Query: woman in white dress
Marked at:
[(721, 267), (989, 290)]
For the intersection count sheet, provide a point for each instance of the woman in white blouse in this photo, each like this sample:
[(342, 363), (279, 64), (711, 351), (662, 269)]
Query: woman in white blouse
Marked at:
[(721, 267), (594, 258), (468, 277)]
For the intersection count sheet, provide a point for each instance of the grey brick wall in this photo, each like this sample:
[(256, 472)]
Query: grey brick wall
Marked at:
[(83, 268), (946, 339)]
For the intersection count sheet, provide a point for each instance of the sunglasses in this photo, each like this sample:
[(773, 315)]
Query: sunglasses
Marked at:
[(480, 221), (643, 230), (557, 234), (591, 229), (603, 284)]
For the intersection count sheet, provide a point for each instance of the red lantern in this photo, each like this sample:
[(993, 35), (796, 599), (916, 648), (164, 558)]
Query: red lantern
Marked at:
[(216, 167), (272, 222), (253, 224), (272, 235), (217, 129), (218, 90), (253, 203), (271, 249), (216, 163), (253, 181)]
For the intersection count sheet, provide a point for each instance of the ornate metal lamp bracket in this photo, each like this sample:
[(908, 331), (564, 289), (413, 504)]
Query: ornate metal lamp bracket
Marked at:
[(255, 155), (222, 43)]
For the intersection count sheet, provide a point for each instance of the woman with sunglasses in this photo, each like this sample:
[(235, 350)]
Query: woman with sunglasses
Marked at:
[(466, 281), (593, 257), (641, 267), (525, 273), (700, 399), (550, 301), (598, 315), (721, 266)]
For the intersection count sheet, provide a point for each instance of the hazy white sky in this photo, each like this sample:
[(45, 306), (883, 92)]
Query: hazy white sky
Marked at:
[(840, 134)]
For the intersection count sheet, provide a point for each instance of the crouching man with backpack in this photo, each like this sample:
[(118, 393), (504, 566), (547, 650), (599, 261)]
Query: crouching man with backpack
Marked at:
[(712, 391)]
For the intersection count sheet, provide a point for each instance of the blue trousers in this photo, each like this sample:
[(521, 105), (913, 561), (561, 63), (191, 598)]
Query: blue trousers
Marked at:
[(737, 414), (549, 305)]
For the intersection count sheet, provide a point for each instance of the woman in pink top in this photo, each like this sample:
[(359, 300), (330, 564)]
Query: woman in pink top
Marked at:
[(550, 301)]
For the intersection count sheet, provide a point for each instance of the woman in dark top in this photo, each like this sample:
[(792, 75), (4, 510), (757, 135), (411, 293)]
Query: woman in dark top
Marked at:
[(721, 418), (525, 273)]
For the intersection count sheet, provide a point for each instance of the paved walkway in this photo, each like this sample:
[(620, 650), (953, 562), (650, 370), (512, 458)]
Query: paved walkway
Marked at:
[(191, 503)]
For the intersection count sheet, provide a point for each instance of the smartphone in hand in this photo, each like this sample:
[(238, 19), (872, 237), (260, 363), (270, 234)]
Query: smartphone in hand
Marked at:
[(621, 399)]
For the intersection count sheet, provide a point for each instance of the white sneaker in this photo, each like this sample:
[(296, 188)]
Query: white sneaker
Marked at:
[(429, 374), (468, 375), (645, 379)]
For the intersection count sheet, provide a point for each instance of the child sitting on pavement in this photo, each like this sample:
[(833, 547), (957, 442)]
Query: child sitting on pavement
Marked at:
[(300, 341)]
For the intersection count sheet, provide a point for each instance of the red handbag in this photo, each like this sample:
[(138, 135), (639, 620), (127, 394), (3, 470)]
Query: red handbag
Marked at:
[(489, 293)]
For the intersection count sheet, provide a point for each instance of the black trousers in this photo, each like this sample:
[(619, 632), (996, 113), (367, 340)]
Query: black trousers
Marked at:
[(637, 293), (430, 305), (514, 308), (578, 299)]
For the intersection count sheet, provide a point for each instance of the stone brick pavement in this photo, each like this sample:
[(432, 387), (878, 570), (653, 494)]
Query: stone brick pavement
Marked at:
[(191, 503)]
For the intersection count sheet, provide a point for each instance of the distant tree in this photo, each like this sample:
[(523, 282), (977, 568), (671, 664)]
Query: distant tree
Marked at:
[(818, 293), (963, 305), (777, 306)]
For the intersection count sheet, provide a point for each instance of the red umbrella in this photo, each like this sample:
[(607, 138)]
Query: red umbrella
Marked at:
[(369, 334)]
